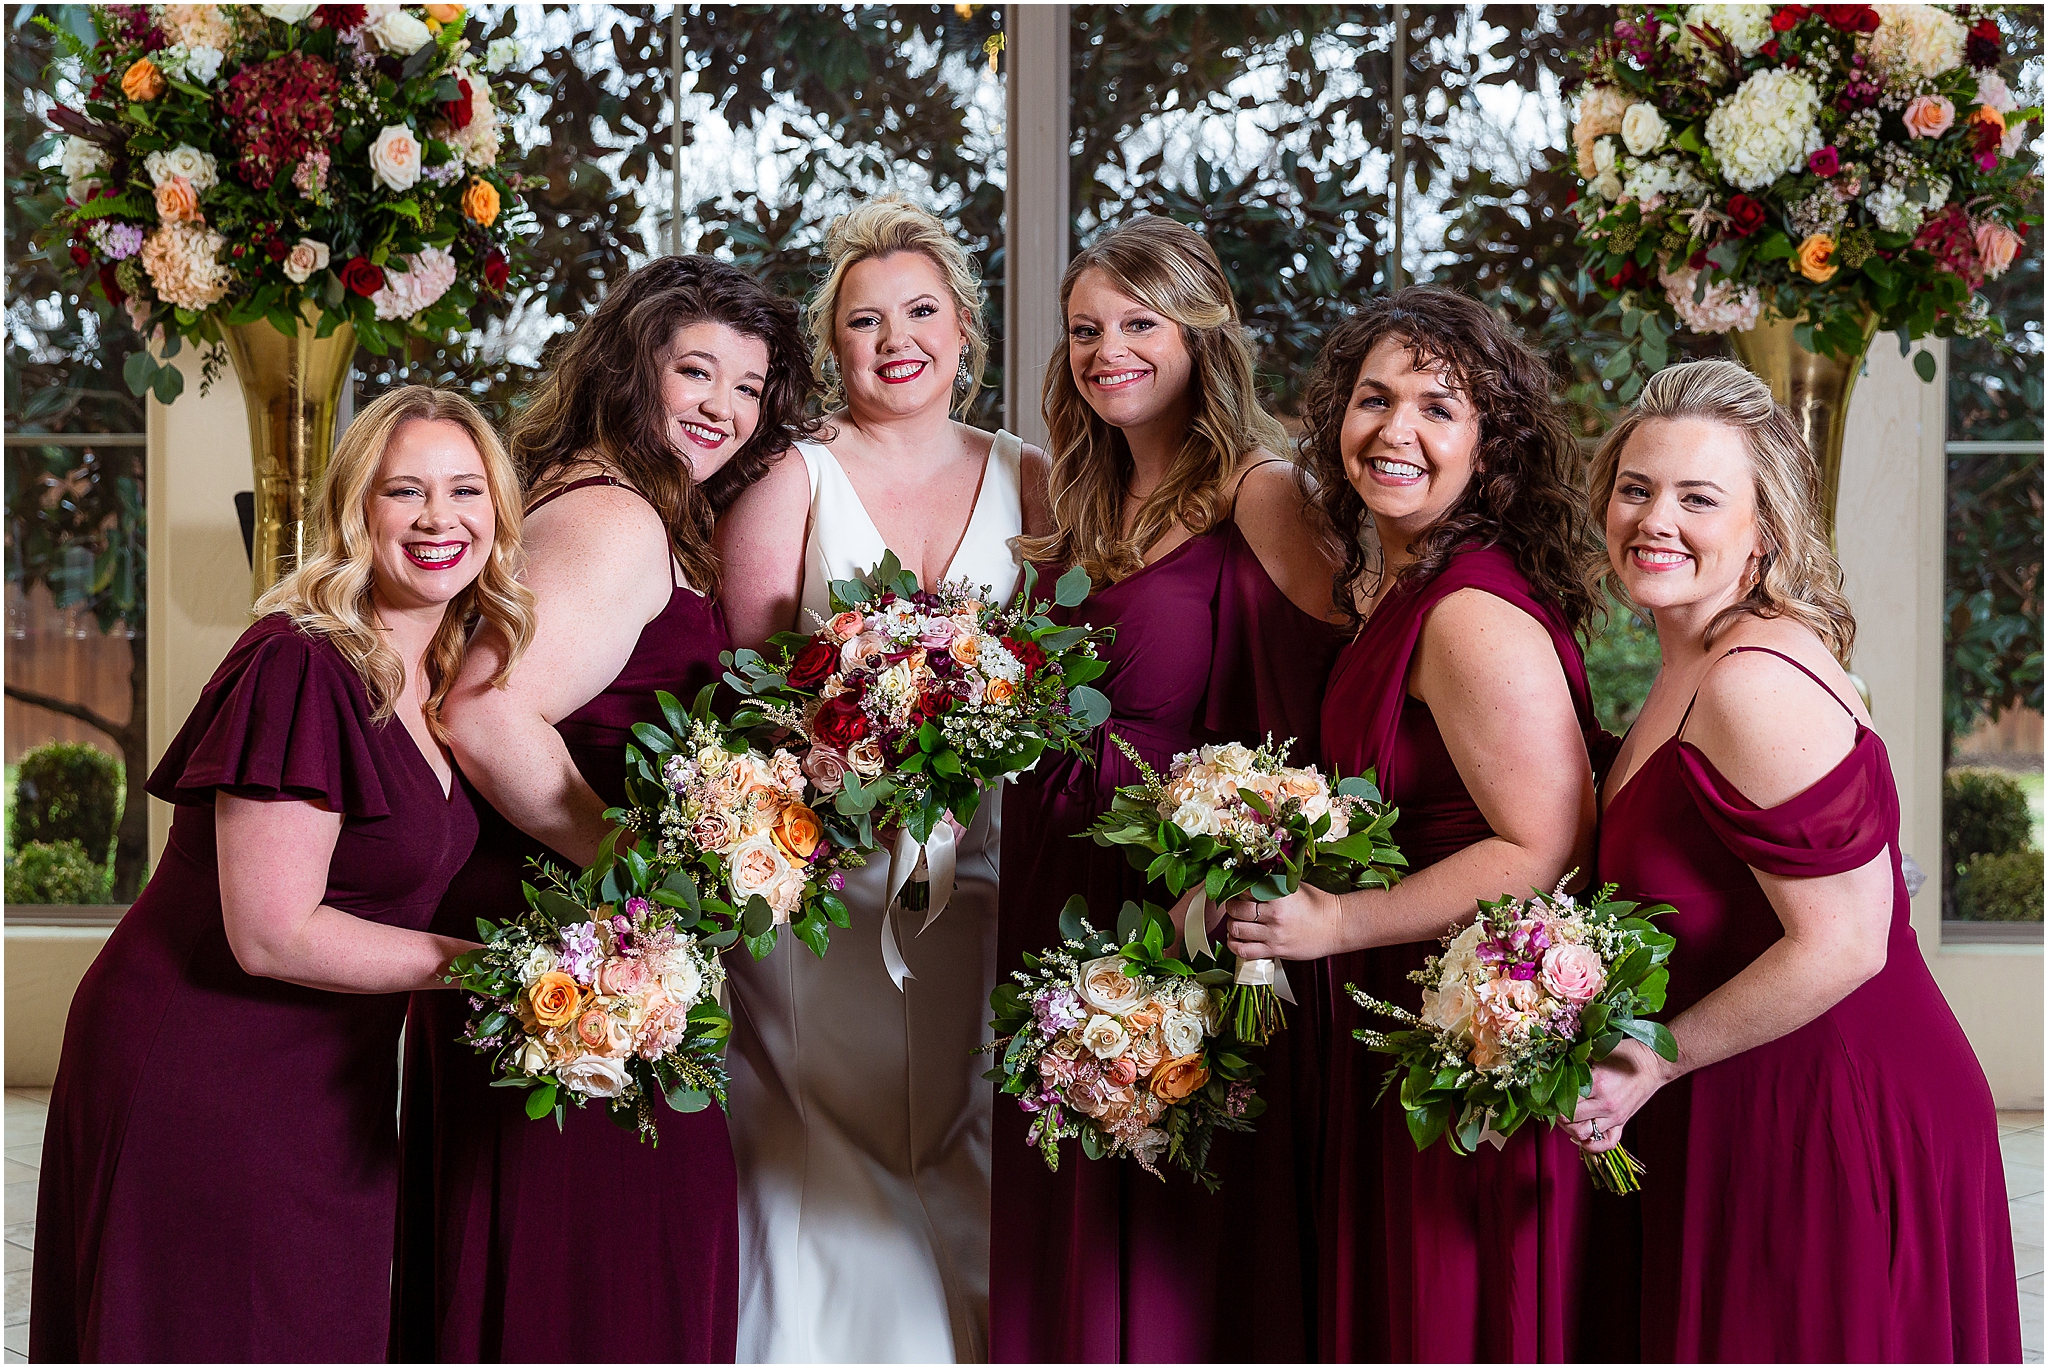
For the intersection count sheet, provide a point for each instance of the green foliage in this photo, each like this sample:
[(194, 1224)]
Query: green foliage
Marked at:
[(44, 873), (67, 791), (2003, 888), (1621, 664), (1983, 814)]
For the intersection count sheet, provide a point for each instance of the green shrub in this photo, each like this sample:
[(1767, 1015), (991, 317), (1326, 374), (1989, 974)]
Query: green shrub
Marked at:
[(1983, 812), (55, 872), (1621, 663), (2003, 888), (68, 791)]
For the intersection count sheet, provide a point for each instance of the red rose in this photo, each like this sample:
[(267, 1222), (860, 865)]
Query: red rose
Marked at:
[(1850, 18), (456, 111), (813, 664), (80, 257), (1745, 215), (1770, 49), (276, 250), (496, 271), (1825, 162), (839, 723), (1785, 18), (362, 276)]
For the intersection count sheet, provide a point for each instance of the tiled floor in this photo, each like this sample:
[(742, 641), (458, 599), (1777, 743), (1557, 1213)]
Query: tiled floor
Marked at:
[(2019, 1138)]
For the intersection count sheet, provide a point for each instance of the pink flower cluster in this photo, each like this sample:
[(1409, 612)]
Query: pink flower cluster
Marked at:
[(1516, 974)]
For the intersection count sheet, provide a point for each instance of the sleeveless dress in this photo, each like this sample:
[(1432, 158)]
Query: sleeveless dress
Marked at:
[(1835, 1194), (524, 1243), (220, 1168), (1101, 1261), (1433, 1256), (859, 1115)]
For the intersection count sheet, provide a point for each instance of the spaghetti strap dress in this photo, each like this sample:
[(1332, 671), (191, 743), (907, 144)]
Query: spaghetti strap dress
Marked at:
[(1837, 1193), (501, 1212), (220, 1168), (1433, 1256), (1101, 1261)]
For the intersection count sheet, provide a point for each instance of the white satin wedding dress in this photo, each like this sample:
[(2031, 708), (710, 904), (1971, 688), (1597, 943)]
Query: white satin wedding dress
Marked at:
[(859, 1118)]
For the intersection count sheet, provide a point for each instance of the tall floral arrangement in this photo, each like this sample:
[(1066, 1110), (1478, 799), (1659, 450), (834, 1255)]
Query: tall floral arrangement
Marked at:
[(239, 162), (1818, 162)]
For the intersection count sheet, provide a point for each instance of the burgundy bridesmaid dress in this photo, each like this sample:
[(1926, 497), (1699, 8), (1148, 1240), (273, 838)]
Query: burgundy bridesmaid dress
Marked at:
[(520, 1242), (220, 1169), (1432, 1256), (1836, 1194), (1101, 1262)]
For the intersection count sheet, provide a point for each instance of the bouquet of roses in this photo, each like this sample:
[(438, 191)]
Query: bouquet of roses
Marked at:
[(1109, 1040), (1230, 822), (1855, 167), (736, 821), (906, 704), (605, 988), (1515, 1012), (232, 163)]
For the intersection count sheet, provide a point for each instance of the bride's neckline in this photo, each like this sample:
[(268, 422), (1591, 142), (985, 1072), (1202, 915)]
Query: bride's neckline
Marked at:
[(966, 532)]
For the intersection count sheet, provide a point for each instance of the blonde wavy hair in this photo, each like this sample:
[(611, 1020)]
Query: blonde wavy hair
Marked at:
[(1797, 575), (329, 594), (1169, 268), (881, 227)]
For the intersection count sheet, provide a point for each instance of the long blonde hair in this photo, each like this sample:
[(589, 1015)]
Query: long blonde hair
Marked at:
[(1797, 575), (329, 595), (1170, 269), (882, 227)]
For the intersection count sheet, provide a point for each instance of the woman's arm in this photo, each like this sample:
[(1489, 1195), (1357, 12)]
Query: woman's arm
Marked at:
[(273, 860), (761, 550), (1273, 514), (1491, 678), (599, 566), (1772, 735)]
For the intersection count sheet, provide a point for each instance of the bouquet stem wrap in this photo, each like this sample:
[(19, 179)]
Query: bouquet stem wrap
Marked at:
[(939, 860), (1251, 973)]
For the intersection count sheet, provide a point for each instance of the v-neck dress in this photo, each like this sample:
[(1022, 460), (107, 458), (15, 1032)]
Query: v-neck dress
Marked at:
[(860, 1120), (1835, 1194), (220, 1166)]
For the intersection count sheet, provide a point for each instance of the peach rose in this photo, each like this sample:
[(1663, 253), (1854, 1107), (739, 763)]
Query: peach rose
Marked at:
[(826, 767), (480, 199), (443, 14), (865, 755), (756, 867), (965, 649), (1573, 973), (1815, 258), (999, 691), (1997, 245), (592, 1028), (1145, 1052), (554, 998), (844, 627), (176, 202), (715, 829), (862, 650), (797, 831), (1180, 1078), (1929, 116), (142, 81), (1144, 1018)]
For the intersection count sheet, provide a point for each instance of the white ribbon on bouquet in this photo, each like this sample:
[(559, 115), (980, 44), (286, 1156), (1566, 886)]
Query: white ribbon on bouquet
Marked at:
[(1255, 973), (938, 859)]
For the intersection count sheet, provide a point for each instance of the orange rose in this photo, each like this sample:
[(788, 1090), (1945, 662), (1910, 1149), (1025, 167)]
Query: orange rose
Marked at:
[(142, 81), (1179, 1078), (554, 998), (480, 202), (797, 831), (999, 691), (1143, 1018), (965, 650), (1815, 261), (443, 14), (175, 201)]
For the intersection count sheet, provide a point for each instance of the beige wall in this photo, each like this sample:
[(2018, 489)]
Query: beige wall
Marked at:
[(44, 965)]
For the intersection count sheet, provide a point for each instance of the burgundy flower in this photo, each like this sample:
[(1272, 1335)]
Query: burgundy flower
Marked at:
[(840, 722), (1850, 18), (362, 276), (278, 111), (112, 287), (1826, 162), (342, 18), (1745, 215), (1985, 45), (80, 257), (813, 664), (1948, 237), (276, 250), (457, 110), (1785, 18), (496, 271), (1770, 49)]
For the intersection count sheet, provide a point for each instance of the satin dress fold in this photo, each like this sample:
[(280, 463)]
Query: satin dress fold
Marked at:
[(1101, 1262)]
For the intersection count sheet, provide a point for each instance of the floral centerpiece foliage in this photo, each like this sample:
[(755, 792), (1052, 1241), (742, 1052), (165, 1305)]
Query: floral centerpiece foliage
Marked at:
[(1825, 163), (240, 162)]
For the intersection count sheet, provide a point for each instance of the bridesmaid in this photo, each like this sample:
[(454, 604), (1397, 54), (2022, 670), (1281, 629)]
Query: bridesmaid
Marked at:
[(220, 1170), (672, 397), (1431, 422), (1824, 1176), (1206, 562)]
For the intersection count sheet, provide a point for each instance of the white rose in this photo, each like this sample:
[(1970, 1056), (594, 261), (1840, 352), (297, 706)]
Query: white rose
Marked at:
[(682, 982), (1449, 1009), (532, 1058), (290, 14), (1461, 957), (395, 31), (81, 158), (1609, 185), (307, 258), (1105, 987), (1603, 155), (1180, 1033), (395, 158), (199, 169), (539, 960), (595, 1076), (1105, 1037), (1643, 129), (1197, 818)]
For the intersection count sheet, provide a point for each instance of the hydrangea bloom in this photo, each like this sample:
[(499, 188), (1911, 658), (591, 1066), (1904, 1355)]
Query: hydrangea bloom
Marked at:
[(1916, 41), (426, 278), (278, 112), (181, 261), (1722, 308), (1769, 126)]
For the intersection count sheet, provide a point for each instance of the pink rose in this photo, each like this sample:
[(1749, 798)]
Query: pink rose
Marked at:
[(825, 767), (1122, 1072), (1088, 1094), (863, 649), (1997, 245), (845, 626), (1929, 116), (1572, 973), (715, 829), (622, 978)]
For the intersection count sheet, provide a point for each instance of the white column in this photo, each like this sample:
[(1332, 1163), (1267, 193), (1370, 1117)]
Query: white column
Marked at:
[(1036, 213)]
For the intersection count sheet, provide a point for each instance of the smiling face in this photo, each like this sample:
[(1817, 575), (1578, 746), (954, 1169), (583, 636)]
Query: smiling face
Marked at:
[(429, 515), (1682, 529), (898, 337), (712, 379), (1129, 361), (1410, 441)]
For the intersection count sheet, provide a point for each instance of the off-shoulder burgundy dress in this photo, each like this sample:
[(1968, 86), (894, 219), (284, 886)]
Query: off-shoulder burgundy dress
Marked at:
[(1432, 1256), (220, 1168), (1836, 1194), (524, 1243), (1101, 1262)]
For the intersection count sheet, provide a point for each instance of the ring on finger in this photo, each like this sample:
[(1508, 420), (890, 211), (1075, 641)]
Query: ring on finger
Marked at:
[(1256, 909), (1596, 1128)]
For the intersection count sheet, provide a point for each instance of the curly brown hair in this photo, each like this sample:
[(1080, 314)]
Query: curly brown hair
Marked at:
[(1527, 494), (601, 401)]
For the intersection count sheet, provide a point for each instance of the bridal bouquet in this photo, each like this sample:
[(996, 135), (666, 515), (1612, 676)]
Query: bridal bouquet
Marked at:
[(1515, 1012), (1851, 166), (1108, 1040), (232, 163), (603, 989), (737, 824), (1230, 822)]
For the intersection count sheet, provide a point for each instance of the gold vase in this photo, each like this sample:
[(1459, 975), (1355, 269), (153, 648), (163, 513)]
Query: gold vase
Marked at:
[(291, 387), (1816, 388)]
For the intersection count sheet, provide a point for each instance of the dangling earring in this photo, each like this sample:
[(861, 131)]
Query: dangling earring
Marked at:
[(963, 377), (1756, 574)]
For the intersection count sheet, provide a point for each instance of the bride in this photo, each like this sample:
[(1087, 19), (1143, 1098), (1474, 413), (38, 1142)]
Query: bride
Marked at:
[(860, 1122)]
